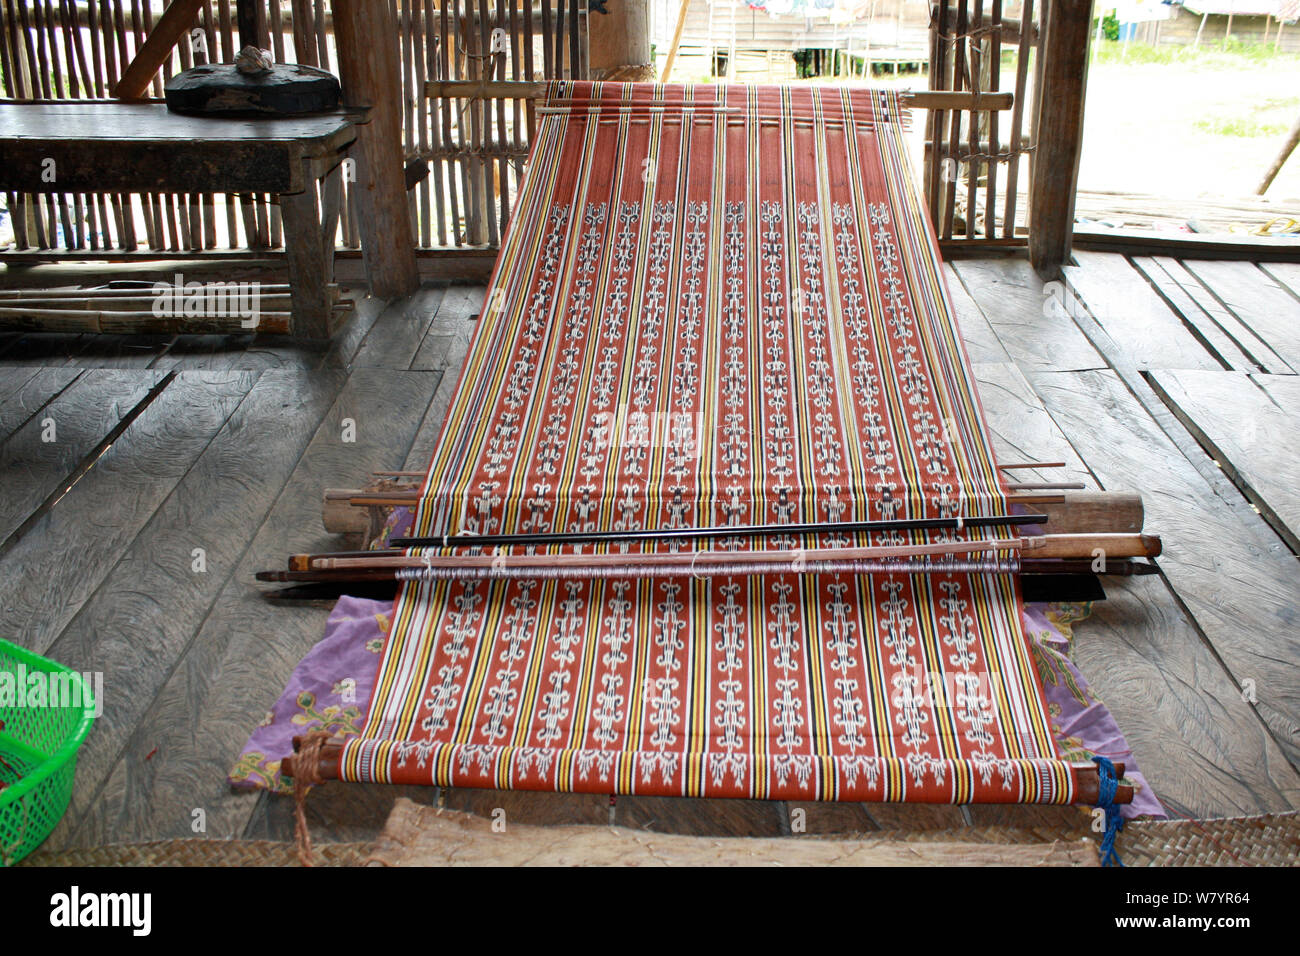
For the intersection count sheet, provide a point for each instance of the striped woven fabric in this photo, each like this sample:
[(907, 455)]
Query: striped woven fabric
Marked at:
[(715, 305)]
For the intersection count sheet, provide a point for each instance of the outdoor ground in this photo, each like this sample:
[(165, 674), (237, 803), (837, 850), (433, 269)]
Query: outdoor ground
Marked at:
[(1189, 123)]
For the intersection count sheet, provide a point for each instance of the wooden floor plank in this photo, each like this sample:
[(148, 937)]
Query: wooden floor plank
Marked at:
[(55, 568), (241, 353), (1195, 738), (1123, 303), (1234, 575), (242, 656), (1264, 306), (982, 343), (1225, 338), (1249, 432), (14, 378), (1021, 429), (1284, 390), (152, 603), (119, 351), (1231, 343), (366, 310), (45, 451), (447, 341), (1030, 321), (1285, 274), (25, 391), (396, 335)]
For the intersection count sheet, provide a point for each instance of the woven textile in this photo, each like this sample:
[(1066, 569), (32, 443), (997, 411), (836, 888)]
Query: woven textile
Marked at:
[(715, 305)]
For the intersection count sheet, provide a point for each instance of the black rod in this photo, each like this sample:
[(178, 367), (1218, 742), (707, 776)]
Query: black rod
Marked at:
[(542, 539)]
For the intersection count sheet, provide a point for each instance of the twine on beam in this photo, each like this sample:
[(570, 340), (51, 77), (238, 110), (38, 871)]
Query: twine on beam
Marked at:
[(306, 774)]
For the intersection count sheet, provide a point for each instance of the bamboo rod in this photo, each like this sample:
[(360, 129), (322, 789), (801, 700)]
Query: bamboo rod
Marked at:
[(935, 118), (976, 67), (954, 132), (120, 292), (80, 320), (995, 82), (1018, 121)]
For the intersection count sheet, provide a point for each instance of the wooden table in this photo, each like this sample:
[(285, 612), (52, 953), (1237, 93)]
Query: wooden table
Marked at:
[(122, 147)]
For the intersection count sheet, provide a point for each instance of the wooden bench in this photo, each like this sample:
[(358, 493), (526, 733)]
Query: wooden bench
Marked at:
[(120, 147)]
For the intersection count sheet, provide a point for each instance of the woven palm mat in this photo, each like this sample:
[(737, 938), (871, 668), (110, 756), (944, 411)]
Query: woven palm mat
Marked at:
[(417, 835), (199, 853), (425, 836)]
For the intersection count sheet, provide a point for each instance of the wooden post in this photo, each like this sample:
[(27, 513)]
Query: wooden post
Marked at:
[(246, 16), (1059, 103), (366, 38), (619, 38)]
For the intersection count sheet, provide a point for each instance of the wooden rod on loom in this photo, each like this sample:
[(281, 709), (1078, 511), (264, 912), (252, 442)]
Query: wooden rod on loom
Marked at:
[(1086, 779), (1095, 546), (524, 90), (1032, 464), (1112, 567), (1045, 485), (1091, 512), (398, 498), (468, 540), (686, 561)]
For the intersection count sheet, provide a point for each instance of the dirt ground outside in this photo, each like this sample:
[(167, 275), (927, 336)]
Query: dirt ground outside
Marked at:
[(1203, 124)]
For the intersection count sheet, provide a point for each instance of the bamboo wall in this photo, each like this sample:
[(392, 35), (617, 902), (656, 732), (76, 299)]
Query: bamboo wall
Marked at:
[(464, 157), (977, 161)]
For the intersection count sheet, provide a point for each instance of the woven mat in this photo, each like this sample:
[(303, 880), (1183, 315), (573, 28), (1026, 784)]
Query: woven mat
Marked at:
[(424, 836), (199, 853)]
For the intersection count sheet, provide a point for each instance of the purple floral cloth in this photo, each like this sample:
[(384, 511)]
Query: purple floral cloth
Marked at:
[(330, 690)]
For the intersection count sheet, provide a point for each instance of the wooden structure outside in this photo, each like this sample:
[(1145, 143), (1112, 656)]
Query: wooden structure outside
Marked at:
[(740, 40)]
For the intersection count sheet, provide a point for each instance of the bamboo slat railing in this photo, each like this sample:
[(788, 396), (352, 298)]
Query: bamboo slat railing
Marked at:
[(973, 157)]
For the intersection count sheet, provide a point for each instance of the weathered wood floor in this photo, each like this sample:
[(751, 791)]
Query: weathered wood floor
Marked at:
[(120, 458)]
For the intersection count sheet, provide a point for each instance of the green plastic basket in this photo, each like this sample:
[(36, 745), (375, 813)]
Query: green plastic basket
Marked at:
[(38, 744)]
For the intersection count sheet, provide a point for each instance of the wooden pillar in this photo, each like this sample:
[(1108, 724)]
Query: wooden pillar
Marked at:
[(368, 69), (1059, 141), (619, 37)]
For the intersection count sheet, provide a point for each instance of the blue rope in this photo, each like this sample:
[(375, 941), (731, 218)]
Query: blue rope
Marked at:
[(1107, 786)]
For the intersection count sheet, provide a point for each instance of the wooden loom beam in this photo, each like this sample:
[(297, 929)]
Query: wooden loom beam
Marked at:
[(1087, 778), (520, 89)]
